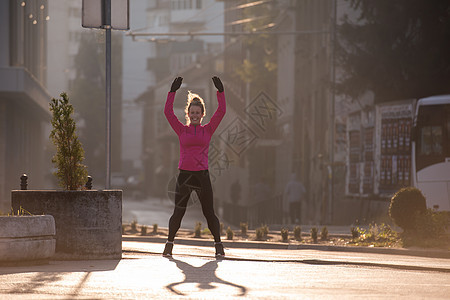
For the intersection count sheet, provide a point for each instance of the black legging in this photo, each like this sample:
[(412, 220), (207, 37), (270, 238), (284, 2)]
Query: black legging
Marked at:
[(199, 182)]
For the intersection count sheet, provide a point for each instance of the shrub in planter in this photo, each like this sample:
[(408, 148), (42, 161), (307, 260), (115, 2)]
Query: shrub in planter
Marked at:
[(405, 205), (72, 174), (88, 222)]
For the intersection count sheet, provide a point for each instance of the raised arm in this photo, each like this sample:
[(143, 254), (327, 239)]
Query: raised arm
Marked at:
[(176, 125), (221, 109)]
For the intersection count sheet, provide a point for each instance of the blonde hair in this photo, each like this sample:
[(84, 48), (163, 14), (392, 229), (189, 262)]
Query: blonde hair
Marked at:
[(196, 100)]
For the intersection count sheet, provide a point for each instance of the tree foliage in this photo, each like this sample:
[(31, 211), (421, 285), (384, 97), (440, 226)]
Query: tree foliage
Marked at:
[(88, 91), (72, 174), (259, 68), (397, 49)]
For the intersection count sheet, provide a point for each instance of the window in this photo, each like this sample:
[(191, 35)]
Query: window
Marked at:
[(186, 4), (431, 140)]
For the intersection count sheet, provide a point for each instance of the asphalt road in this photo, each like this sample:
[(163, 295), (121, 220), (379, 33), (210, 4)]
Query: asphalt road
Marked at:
[(194, 273)]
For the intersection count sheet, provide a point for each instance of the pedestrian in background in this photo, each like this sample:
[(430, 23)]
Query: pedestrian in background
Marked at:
[(193, 174), (294, 195)]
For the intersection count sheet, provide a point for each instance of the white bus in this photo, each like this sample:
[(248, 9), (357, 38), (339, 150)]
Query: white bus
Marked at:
[(431, 151)]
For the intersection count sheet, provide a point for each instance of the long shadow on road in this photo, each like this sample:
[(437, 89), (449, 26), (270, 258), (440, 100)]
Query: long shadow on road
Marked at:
[(208, 276)]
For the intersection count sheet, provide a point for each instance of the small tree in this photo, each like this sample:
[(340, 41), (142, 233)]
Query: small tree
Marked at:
[(69, 155), (198, 230), (298, 233), (144, 230), (314, 234), (244, 228), (265, 230), (324, 234), (230, 233), (284, 234), (259, 234)]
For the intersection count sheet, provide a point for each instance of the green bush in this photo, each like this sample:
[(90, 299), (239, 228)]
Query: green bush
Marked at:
[(284, 234), (134, 226), (314, 234), (230, 234), (355, 232), (405, 205), (265, 230), (198, 230), (244, 228), (298, 233), (20, 212), (324, 234), (431, 224), (143, 230), (259, 234), (376, 236)]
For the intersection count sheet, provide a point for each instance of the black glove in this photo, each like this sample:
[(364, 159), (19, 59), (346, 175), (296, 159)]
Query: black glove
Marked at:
[(218, 84), (176, 84)]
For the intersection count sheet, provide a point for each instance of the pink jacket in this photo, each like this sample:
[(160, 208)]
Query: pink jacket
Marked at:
[(194, 140)]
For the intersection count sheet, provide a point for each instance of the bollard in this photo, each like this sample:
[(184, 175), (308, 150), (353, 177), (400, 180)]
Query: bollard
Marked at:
[(88, 185), (23, 182)]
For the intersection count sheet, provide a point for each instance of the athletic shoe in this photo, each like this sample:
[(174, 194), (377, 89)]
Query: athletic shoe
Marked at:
[(168, 249), (219, 249)]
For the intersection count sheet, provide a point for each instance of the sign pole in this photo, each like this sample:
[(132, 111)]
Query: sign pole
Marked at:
[(97, 14), (108, 92)]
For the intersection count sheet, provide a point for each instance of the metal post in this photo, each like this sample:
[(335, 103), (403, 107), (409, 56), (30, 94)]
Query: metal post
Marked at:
[(23, 182), (333, 101), (108, 92)]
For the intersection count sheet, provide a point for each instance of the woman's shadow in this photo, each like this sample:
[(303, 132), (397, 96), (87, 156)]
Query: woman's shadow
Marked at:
[(208, 276)]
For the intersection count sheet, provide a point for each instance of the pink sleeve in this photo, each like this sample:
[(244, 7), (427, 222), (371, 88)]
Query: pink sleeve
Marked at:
[(170, 116), (218, 115)]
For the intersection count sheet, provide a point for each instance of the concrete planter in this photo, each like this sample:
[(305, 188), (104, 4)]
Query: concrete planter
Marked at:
[(88, 223), (26, 239)]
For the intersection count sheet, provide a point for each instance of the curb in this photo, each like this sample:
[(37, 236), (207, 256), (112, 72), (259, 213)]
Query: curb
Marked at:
[(431, 253)]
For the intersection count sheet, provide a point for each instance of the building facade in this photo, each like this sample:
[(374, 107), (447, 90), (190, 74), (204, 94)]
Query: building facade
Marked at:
[(24, 114), (313, 121)]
